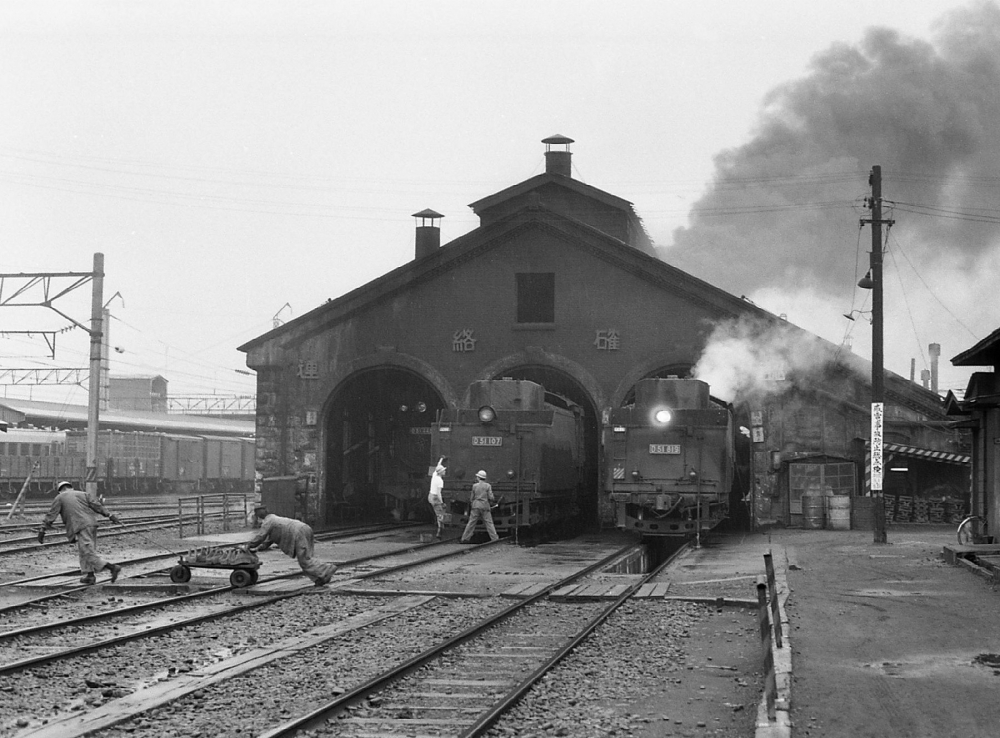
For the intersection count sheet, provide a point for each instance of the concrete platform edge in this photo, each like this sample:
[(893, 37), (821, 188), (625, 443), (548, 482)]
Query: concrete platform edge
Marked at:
[(781, 658)]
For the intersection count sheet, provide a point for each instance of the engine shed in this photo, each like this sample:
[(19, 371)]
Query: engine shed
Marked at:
[(559, 285)]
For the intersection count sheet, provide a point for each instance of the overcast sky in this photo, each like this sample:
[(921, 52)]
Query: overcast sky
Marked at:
[(241, 162)]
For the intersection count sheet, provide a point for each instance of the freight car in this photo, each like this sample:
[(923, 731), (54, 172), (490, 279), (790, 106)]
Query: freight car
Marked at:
[(530, 443), (37, 455), (128, 462), (670, 458)]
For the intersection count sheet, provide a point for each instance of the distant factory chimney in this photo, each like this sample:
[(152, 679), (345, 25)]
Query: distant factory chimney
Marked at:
[(428, 232), (934, 350), (557, 161)]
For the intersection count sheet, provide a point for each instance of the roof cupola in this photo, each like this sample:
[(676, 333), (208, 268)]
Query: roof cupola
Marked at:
[(428, 232), (557, 160)]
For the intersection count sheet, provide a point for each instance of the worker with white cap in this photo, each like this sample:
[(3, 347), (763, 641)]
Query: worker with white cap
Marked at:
[(482, 496), (77, 508)]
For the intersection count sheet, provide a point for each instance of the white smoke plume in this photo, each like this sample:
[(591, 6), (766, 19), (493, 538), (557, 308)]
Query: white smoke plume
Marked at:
[(780, 223), (747, 359)]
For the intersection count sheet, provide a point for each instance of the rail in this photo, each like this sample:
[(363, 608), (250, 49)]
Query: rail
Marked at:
[(234, 507), (513, 690)]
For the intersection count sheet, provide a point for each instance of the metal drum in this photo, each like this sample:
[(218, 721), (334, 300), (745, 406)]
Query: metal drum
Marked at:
[(838, 512), (812, 511)]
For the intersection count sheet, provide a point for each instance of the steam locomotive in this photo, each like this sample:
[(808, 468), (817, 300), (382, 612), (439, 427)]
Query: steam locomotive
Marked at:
[(669, 459), (531, 445)]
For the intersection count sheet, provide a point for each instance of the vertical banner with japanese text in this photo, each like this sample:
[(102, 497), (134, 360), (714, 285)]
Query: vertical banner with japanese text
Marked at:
[(878, 410)]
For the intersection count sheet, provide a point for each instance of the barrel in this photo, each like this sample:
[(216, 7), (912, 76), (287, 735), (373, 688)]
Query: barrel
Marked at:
[(812, 511), (838, 512)]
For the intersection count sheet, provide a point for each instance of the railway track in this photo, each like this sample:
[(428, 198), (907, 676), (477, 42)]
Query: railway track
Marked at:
[(73, 588), (143, 647), (416, 625), (23, 633), (56, 537), (146, 516), (462, 686)]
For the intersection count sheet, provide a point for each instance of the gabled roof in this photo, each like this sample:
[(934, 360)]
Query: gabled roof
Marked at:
[(984, 353), (486, 238), (577, 234), (983, 391), (952, 406), (539, 180)]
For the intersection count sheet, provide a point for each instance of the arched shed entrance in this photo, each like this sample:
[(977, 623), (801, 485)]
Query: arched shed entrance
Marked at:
[(377, 446)]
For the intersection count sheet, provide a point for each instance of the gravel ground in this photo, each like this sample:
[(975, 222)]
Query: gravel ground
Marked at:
[(656, 668), (263, 698), (94, 600)]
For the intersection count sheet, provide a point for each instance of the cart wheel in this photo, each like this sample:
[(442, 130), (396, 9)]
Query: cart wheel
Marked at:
[(241, 578), (253, 576), (180, 574)]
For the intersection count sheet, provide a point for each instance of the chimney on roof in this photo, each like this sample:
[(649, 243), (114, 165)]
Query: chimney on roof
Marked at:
[(557, 161), (428, 232), (934, 350)]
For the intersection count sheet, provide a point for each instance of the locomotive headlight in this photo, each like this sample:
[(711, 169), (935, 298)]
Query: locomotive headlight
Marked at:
[(510, 474), (487, 414), (635, 474), (662, 416)]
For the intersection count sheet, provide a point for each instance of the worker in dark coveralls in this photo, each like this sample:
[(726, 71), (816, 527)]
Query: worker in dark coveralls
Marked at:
[(295, 539), (482, 496), (77, 511)]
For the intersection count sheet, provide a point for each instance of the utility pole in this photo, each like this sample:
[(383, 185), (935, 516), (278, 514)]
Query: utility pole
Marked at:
[(19, 296), (873, 281), (94, 391)]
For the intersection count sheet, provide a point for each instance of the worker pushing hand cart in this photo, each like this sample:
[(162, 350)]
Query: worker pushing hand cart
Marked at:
[(295, 539)]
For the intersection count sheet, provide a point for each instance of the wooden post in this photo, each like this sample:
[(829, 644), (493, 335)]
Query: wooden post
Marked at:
[(24, 490)]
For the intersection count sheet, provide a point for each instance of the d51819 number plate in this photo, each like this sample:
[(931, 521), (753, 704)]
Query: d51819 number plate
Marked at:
[(664, 448)]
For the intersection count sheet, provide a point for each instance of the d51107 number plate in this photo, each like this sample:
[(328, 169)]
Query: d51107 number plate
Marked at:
[(487, 440)]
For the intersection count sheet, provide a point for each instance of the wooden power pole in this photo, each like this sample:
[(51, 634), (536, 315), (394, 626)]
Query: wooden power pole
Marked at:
[(877, 469), (94, 391)]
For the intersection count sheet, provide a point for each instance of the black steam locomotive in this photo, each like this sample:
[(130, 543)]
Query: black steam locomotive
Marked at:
[(670, 459), (530, 444)]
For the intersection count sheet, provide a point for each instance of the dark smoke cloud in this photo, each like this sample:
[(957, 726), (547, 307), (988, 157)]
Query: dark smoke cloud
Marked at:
[(783, 209)]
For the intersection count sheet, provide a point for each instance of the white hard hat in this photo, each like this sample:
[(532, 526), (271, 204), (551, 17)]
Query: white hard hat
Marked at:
[(481, 474)]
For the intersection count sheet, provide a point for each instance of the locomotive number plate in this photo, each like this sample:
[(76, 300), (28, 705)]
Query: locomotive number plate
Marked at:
[(487, 440), (664, 448)]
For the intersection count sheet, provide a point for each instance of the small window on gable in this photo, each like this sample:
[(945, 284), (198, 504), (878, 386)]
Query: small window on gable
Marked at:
[(536, 298)]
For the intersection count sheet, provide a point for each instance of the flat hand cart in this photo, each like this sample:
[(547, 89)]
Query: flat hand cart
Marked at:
[(243, 562)]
